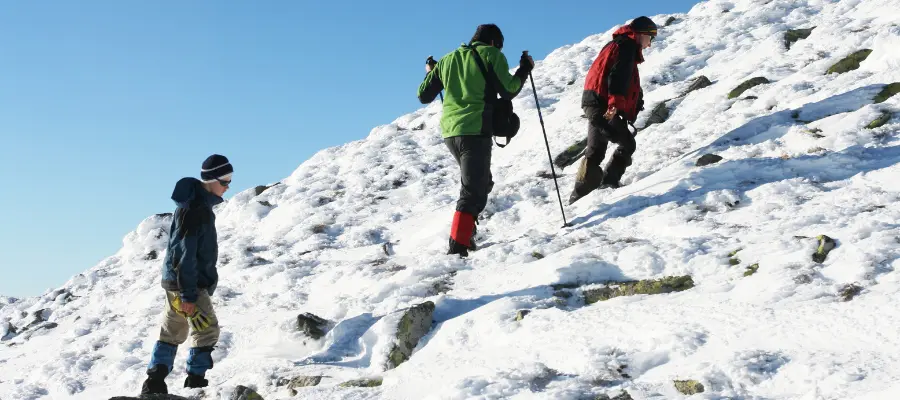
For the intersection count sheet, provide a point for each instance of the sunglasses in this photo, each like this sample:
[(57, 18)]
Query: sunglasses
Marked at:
[(223, 183)]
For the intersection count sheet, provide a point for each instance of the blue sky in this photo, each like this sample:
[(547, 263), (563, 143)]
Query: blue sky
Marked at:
[(105, 104)]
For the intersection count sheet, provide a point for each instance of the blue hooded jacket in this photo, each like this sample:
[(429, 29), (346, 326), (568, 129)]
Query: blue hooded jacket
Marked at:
[(193, 249)]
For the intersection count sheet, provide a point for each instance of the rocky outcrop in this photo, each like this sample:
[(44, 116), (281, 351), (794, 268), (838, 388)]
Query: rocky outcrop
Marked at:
[(415, 323), (668, 284), (849, 63)]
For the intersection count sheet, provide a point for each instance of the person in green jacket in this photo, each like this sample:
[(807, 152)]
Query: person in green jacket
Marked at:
[(469, 98)]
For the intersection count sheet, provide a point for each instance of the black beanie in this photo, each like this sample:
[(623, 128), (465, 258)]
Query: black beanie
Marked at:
[(644, 25), (216, 167)]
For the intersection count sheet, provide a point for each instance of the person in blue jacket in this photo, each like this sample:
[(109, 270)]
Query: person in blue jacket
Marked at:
[(189, 277)]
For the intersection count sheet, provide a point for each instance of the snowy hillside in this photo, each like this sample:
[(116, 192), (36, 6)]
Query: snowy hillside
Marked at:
[(356, 236)]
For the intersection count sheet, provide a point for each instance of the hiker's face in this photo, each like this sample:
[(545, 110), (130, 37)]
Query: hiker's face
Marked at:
[(645, 41)]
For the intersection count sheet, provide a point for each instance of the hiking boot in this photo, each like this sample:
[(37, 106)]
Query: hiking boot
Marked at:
[(156, 381), (589, 177), (456, 248), (195, 381)]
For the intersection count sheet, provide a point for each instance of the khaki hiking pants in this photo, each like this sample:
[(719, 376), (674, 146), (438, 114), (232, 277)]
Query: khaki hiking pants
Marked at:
[(175, 326)]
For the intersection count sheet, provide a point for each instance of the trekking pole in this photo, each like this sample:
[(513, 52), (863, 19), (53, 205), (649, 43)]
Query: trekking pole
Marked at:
[(430, 61), (547, 142)]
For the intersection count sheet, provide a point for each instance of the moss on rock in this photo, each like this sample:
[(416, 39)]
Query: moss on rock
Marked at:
[(794, 35), (668, 284), (415, 323), (849, 63), (751, 270), (689, 387), (373, 382), (826, 244), (880, 121), (570, 155), (886, 93)]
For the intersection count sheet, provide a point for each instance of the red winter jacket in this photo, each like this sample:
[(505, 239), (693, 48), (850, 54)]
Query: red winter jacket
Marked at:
[(613, 79)]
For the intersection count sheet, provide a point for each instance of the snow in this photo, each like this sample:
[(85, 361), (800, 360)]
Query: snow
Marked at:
[(357, 234)]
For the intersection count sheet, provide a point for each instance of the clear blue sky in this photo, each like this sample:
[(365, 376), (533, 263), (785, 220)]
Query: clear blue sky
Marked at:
[(105, 104)]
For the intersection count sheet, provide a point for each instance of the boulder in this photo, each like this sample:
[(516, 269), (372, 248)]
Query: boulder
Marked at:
[(689, 387), (849, 63), (886, 93), (311, 325), (708, 159), (826, 244), (793, 35), (415, 323)]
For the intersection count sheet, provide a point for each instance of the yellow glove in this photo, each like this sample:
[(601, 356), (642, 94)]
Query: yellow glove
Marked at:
[(198, 320)]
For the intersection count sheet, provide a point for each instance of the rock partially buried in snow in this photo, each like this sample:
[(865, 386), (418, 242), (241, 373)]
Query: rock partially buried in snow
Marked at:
[(849, 63), (311, 325), (659, 115), (373, 382), (849, 291), (880, 121), (750, 83), (520, 315), (415, 323), (244, 393), (699, 83), (621, 396), (689, 387), (793, 35), (826, 244), (751, 270), (886, 93), (301, 382), (668, 284), (708, 159), (570, 155), (151, 397), (670, 21)]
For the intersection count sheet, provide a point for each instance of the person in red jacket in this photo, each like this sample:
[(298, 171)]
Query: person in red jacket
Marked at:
[(612, 98)]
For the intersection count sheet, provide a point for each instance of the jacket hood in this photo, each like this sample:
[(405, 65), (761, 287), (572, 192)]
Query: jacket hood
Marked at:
[(189, 190), (628, 31)]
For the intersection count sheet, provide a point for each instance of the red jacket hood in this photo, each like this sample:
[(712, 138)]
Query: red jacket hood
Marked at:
[(626, 30)]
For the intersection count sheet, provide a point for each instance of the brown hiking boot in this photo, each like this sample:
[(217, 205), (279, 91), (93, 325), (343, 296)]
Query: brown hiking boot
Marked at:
[(589, 178)]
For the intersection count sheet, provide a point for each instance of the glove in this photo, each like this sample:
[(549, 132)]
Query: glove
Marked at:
[(616, 101), (199, 321), (526, 63)]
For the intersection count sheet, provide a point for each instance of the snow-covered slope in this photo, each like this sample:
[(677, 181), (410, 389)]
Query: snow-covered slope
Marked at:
[(357, 233)]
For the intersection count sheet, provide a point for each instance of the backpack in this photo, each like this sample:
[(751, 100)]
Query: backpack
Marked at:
[(505, 122)]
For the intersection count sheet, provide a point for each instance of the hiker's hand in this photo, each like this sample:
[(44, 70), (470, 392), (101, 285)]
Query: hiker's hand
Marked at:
[(526, 62), (610, 113), (188, 308)]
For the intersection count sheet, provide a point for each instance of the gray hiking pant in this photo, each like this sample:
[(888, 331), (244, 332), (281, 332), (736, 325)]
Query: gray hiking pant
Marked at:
[(175, 327), (473, 154)]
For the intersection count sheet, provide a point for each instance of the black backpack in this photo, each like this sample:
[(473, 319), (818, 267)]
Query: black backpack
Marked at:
[(505, 122)]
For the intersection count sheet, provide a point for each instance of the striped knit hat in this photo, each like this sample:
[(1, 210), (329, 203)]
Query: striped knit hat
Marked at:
[(216, 167)]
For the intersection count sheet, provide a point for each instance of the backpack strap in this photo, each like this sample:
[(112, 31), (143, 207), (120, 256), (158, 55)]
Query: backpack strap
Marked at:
[(487, 79)]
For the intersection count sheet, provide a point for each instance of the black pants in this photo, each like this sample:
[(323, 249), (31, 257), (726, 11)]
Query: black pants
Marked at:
[(473, 154), (600, 133)]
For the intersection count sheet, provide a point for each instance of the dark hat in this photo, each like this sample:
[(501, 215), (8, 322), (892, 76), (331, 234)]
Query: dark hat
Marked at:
[(487, 33), (644, 25), (216, 167)]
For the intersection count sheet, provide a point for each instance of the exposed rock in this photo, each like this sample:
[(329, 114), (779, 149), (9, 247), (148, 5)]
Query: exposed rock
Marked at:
[(734, 261), (793, 35), (888, 92), (152, 255), (374, 382), (570, 155), (621, 396), (319, 228), (659, 115), (751, 270), (312, 325), (570, 83), (689, 387), (415, 323), (520, 315), (565, 294), (670, 21), (849, 63), (849, 291), (708, 159), (759, 80), (803, 279), (244, 393), (164, 215), (880, 121), (300, 382), (536, 255), (265, 203), (699, 83), (151, 397), (262, 188), (826, 244), (668, 284), (419, 127)]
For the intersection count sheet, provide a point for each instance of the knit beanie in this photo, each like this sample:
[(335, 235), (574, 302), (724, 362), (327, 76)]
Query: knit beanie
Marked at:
[(216, 167)]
